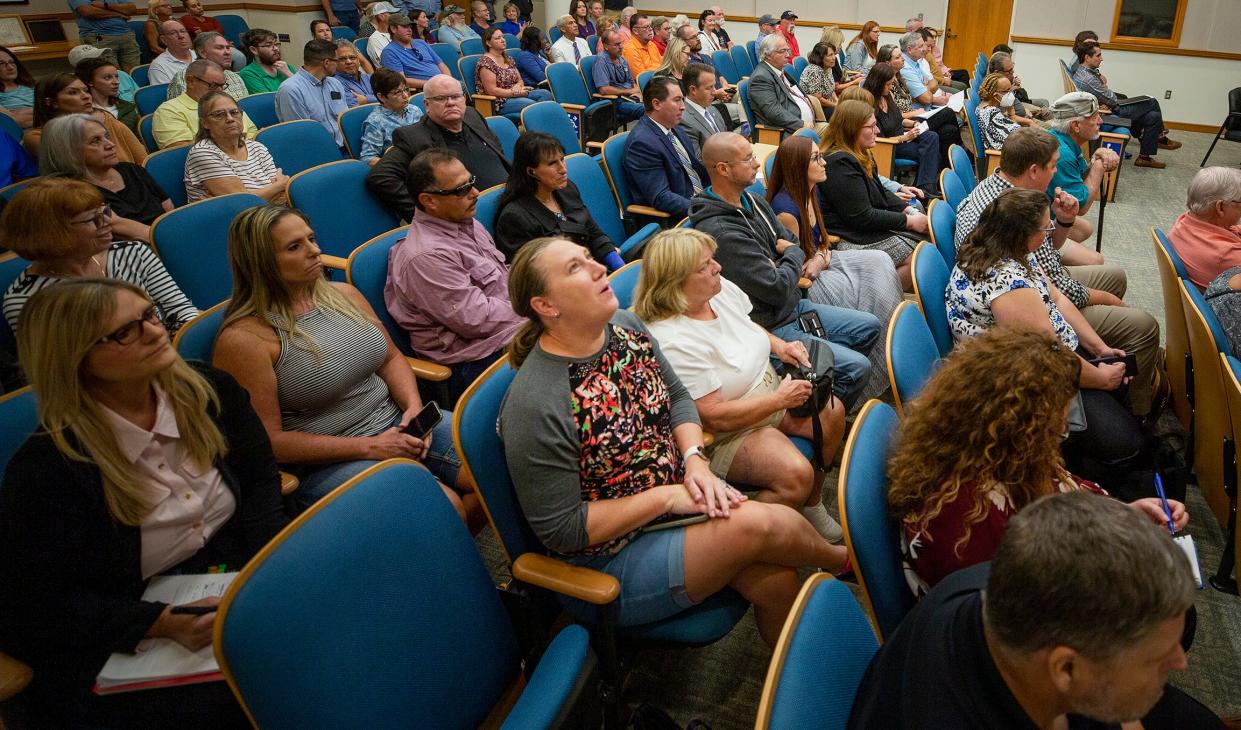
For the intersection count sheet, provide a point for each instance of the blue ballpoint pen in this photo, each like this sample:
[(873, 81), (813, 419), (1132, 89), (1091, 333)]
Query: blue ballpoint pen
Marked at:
[(1162, 498)]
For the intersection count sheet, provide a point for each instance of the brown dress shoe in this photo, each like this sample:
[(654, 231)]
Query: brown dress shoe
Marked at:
[(1169, 144), (1149, 162)]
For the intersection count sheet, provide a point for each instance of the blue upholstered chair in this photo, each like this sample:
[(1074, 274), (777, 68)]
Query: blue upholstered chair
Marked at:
[(506, 131), (350, 122), (8, 191), (724, 66), (234, 26), (472, 47), (449, 54), (799, 64), (613, 165), (146, 132), (148, 98), (550, 117), (820, 660), (141, 74), (261, 108), (1212, 427), (342, 212), (343, 33), (299, 145), (911, 353), (438, 650), (758, 132), (1176, 339), (570, 91), (870, 534), (360, 44), (951, 186), (484, 104), (623, 282), (930, 281), (192, 241), (168, 169), (592, 183), (196, 338), (18, 417), (963, 166), (487, 207), (741, 61), (943, 230)]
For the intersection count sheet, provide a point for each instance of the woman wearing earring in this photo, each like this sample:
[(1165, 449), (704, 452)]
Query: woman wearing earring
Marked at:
[(544, 202)]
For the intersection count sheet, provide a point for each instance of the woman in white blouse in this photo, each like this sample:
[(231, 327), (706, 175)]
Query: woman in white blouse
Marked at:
[(223, 161), (722, 357), (708, 24)]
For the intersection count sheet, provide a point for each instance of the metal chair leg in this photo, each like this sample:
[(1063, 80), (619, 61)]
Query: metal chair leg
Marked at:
[(1212, 147)]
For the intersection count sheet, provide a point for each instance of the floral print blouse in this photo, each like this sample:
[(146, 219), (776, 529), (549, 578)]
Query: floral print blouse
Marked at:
[(969, 302)]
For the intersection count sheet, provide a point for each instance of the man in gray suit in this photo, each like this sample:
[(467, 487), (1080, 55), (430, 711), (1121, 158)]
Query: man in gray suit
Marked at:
[(701, 119), (774, 98)]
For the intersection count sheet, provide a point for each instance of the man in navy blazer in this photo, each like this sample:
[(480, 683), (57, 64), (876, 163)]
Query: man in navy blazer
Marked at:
[(660, 175)]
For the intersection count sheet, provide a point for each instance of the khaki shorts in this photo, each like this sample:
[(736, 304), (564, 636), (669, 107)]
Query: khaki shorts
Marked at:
[(726, 445)]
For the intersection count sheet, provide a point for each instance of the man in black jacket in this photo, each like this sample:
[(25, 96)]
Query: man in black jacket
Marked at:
[(763, 258), (449, 123)]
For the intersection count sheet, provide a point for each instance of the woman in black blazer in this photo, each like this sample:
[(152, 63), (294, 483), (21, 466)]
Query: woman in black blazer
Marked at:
[(541, 201), (855, 205), (142, 465)]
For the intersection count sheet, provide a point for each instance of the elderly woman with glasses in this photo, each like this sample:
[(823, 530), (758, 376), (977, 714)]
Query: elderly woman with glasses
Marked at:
[(78, 146), (394, 112), (143, 465), (64, 228), (223, 161)]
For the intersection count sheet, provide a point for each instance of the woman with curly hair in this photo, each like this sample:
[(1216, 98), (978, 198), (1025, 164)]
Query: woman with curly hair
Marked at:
[(996, 118), (953, 497)]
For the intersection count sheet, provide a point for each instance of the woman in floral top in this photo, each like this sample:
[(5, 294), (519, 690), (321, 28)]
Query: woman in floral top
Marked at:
[(497, 75), (997, 281), (817, 80), (953, 497), (602, 440)]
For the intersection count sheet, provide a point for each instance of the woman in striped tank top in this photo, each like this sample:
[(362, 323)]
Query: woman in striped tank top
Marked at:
[(323, 375)]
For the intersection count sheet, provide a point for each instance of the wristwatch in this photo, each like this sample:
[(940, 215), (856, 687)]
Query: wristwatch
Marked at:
[(695, 450)]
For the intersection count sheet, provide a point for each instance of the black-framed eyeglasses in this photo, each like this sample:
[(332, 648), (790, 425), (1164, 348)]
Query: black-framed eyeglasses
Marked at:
[(221, 114), (210, 86), (130, 332), (99, 219), (458, 192)]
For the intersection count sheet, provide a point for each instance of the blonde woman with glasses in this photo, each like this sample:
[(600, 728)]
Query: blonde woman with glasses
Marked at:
[(142, 465)]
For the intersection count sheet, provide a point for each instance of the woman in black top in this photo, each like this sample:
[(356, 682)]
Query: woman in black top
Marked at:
[(142, 465), (924, 147), (78, 146), (541, 201), (944, 122)]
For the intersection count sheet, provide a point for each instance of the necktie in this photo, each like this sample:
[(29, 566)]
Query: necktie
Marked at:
[(683, 156), (707, 113), (577, 54)]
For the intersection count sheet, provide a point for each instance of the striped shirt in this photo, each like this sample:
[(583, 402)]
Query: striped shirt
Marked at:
[(207, 161), (337, 390), (131, 261)]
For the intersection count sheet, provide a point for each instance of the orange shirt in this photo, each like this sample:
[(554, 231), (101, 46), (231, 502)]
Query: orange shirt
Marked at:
[(641, 58)]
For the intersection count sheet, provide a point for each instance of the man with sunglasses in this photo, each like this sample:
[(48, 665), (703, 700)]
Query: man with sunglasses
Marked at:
[(411, 57), (450, 123), (176, 120), (447, 282)]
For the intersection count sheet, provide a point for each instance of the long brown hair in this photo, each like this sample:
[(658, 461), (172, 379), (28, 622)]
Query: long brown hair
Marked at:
[(847, 123), (872, 47), (789, 174), (1006, 391), (1002, 232)]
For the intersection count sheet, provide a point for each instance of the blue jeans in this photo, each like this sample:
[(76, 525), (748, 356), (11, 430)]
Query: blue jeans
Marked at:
[(925, 151), (319, 479), (851, 335), (516, 104), (627, 111), (347, 17), (1147, 121)]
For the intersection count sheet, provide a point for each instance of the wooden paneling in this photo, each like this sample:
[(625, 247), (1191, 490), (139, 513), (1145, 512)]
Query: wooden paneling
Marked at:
[(1068, 42)]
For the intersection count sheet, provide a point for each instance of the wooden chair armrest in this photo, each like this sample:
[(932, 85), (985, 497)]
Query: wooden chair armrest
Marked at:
[(595, 145), (334, 262), (612, 97), (1122, 138), (485, 104), (646, 210), (803, 283), (428, 370), (993, 161), (708, 438), (575, 108), (832, 240), (768, 135), (288, 483), (487, 97), (583, 584), (887, 140), (15, 675)]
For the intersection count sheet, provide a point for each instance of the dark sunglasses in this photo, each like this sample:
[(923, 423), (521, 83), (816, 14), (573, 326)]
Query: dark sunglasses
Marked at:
[(460, 191)]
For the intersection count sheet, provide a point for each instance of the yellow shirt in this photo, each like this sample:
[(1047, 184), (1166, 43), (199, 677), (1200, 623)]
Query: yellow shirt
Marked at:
[(176, 122), (641, 58)]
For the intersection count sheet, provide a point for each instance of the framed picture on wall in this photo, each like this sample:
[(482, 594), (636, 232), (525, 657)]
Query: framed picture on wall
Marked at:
[(13, 31), (1149, 22)]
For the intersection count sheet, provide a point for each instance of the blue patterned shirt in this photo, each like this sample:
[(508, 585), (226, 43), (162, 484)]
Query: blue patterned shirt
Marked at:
[(378, 128), (969, 302)]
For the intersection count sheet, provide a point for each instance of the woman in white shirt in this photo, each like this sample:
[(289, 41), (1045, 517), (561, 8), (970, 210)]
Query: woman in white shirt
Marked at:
[(722, 357), (708, 24), (223, 161)]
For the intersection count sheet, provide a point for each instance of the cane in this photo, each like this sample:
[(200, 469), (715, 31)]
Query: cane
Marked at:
[(1098, 234)]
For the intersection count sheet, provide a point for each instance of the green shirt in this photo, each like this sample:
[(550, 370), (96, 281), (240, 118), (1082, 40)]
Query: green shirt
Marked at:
[(259, 81)]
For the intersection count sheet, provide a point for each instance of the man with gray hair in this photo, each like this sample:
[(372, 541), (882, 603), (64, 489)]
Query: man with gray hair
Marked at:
[(213, 47), (913, 25), (1077, 121), (1001, 62), (922, 87), (774, 97), (1076, 622), (569, 48), (176, 57), (1207, 236)]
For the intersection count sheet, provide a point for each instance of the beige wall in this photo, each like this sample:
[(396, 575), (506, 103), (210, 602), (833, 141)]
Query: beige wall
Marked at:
[(1210, 25)]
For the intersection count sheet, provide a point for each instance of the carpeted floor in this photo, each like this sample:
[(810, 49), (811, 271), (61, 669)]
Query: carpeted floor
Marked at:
[(721, 684)]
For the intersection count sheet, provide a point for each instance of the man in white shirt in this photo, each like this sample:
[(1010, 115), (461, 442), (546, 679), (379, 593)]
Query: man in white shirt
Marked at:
[(569, 48), (376, 41), (174, 60)]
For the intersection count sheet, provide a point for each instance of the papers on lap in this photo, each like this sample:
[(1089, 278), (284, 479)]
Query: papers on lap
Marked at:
[(164, 662), (956, 103)]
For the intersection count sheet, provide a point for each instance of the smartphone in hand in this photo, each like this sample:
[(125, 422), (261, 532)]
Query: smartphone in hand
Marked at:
[(425, 422), (1130, 361)]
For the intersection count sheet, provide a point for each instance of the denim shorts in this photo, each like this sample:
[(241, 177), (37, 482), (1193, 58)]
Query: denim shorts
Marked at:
[(319, 479), (651, 571)]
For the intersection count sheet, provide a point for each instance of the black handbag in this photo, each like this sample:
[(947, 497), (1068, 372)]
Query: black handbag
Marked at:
[(822, 377)]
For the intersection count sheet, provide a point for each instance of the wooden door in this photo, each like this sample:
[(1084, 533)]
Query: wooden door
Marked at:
[(975, 26)]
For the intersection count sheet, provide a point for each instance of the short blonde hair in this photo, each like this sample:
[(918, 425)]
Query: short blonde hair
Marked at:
[(35, 224), (667, 261)]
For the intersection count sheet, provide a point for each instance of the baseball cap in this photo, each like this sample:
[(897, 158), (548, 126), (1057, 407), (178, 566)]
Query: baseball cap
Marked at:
[(1074, 105), (767, 19), (400, 19), (78, 54), (450, 9), (382, 7), (788, 15)]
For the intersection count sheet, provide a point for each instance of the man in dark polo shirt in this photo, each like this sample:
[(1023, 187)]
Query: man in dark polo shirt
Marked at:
[(1076, 622), (449, 123)]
